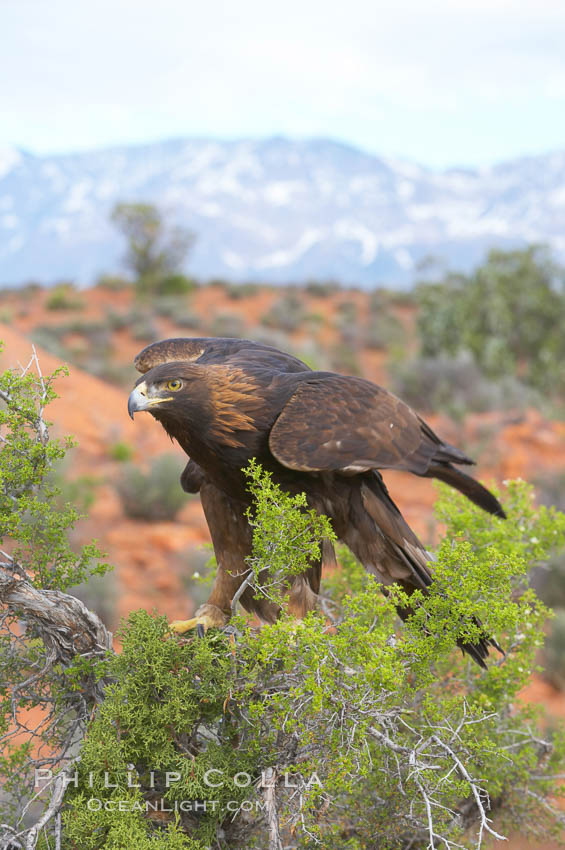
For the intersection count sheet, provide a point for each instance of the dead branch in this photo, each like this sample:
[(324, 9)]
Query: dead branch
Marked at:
[(65, 624)]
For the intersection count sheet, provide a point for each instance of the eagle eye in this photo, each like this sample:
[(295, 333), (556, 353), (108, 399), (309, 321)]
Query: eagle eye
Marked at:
[(175, 385)]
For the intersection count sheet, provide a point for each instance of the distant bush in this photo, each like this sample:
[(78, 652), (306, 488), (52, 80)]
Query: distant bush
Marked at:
[(176, 284), (100, 594), (64, 297), (48, 337), (239, 291), (455, 385), (120, 451), (198, 569), (29, 289), (113, 282), (227, 324), (278, 339), (79, 490), (97, 333), (187, 320), (142, 327), (550, 488), (116, 321), (322, 288), (95, 355), (548, 580), (218, 281), (154, 495), (168, 305), (383, 331), (509, 314), (286, 313), (554, 651)]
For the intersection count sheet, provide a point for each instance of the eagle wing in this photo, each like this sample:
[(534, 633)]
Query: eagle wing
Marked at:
[(350, 425)]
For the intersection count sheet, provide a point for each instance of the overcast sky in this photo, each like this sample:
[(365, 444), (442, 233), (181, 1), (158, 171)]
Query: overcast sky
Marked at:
[(443, 82)]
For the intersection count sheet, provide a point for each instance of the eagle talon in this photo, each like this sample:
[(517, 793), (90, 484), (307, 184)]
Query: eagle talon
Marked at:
[(207, 617)]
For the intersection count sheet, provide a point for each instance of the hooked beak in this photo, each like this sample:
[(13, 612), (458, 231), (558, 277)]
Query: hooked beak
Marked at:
[(138, 400)]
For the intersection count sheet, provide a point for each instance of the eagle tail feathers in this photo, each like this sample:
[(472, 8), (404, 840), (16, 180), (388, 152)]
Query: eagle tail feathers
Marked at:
[(477, 493)]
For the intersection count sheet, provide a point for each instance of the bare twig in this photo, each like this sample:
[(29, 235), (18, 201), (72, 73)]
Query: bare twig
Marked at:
[(269, 796)]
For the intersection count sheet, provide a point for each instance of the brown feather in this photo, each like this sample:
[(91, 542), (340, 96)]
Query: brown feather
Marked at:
[(234, 398)]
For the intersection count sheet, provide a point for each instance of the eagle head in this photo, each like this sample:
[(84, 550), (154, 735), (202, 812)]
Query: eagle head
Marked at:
[(216, 400), (165, 389)]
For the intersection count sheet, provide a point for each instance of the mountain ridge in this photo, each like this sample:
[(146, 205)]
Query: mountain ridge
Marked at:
[(274, 210)]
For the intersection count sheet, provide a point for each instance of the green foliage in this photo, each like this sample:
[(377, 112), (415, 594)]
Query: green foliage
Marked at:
[(177, 284), (287, 534), (154, 495), (382, 736), (151, 718), (509, 314), (33, 514), (113, 282), (64, 297), (121, 451), (39, 718), (156, 252)]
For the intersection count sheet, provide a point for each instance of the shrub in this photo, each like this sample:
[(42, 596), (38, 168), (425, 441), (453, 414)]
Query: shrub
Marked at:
[(346, 730), (64, 297), (116, 321), (240, 291), (168, 306), (455, 385), (176, 284), (143, 328), (228, 325), (509, 314), (554, 651), (154, 495), (49, 338), (187, 320), (198, 569), (347, 324), (120, 451), (383, 331), (286, 313), (113, 282), (100, 594), (322, 288), (174, 308), (353, 716), (550, 488)]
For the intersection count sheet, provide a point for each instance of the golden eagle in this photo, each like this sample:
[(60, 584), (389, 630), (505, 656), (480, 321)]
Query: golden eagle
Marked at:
[(227, 401)]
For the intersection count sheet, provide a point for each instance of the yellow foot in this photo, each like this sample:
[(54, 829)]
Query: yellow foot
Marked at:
[(206, 617)]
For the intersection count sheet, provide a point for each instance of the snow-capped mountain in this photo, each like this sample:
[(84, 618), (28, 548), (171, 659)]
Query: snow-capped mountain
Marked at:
[(273, 210)]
